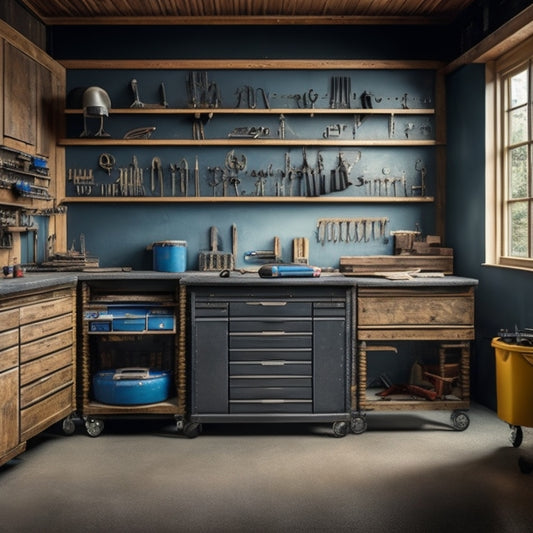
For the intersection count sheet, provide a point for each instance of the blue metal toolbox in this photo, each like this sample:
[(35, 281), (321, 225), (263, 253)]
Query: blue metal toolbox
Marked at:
[(131, 386), (160, 319), (128, 318)]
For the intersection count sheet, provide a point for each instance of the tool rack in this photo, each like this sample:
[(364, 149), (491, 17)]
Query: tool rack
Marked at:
[(100, 347), (390, 117)]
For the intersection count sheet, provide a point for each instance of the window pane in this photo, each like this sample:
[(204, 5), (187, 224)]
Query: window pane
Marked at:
[(518, 234), (518, 89), (518, 125), (518, 183)]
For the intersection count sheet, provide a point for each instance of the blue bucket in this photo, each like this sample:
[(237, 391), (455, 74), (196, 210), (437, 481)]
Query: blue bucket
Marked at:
[(170, 256)]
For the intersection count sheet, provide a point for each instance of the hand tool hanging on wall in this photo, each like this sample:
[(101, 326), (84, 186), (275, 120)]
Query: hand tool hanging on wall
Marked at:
[(137, 104), (202, 93), (359, 229), (196, 177), (107, 162), (421, 189), (140, 133), (340, 92), (247, 95), (184, 177), (156, 172), (249, 132)]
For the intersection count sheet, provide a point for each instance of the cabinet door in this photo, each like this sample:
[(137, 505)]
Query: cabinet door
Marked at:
[(330, 349), (20, 96), (9, 381), (209, 369), (9, 410)]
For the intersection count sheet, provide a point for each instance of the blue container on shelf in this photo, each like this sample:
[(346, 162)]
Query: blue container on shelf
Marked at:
[(170, 256), (131, 386)]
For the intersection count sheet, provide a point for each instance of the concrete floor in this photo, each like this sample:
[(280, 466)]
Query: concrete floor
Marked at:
[(409, 472)]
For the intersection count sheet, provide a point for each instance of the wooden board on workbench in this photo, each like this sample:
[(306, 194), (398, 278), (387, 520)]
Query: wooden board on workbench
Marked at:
[(370, 264)]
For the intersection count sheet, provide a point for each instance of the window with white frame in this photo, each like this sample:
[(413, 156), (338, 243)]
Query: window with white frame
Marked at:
[(514, 158)]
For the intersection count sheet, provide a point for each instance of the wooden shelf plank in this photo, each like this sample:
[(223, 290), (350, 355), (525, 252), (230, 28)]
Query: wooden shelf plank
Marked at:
[(244, 142), (244, 199), (261, 111)]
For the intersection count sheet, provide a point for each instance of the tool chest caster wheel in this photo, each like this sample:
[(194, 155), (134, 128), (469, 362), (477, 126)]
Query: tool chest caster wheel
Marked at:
[(192, 429), (94, 426), (340, 429), (516, 435), (460, 420), (358, 424), (68, 426)]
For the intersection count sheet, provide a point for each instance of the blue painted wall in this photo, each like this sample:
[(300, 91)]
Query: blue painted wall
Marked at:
[(503, 297), (120, 233)]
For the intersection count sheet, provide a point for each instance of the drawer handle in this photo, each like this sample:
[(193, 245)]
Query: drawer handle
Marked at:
[(268, 304), (270, 332), (272, 363)]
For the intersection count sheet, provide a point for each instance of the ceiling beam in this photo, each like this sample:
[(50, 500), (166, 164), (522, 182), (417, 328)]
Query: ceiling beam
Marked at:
[(270, 20)]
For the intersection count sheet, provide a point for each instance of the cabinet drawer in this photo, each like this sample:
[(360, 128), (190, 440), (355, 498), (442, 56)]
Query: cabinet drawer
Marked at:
[(271, 406), (41, 367), (45, 309), (242, 368), (50, 344), (42, 414), (271, 393), (260, 354), (269, 325), (9, 358), (45, 386), (270, 381), (44, 328), (397, 308), (269, 307), (211, 310), (9, 339), (9, 319), (267, 340)]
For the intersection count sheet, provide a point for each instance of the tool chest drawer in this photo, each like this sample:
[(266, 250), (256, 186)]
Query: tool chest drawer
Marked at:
[(268, 354), (270, 307), (279, 393), (271, 406), (268, 340), (276, 367), (271, 326)]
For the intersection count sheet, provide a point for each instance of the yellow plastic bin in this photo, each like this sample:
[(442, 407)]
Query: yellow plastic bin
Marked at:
[(514, 383)]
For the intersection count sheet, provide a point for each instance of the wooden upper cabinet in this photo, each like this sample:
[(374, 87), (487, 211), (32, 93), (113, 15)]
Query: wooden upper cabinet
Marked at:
[(20, 98)]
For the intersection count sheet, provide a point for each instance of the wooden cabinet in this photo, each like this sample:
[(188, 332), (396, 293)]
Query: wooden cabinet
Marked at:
[(32, 87), (20, 97), (116, 332), (277, 354), (389, 321), (37, 365)]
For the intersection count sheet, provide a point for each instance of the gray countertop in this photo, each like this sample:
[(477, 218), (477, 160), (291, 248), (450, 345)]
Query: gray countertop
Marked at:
[(34, 281)]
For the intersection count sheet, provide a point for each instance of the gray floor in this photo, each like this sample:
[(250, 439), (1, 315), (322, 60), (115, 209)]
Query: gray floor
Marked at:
[(407, 472)]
